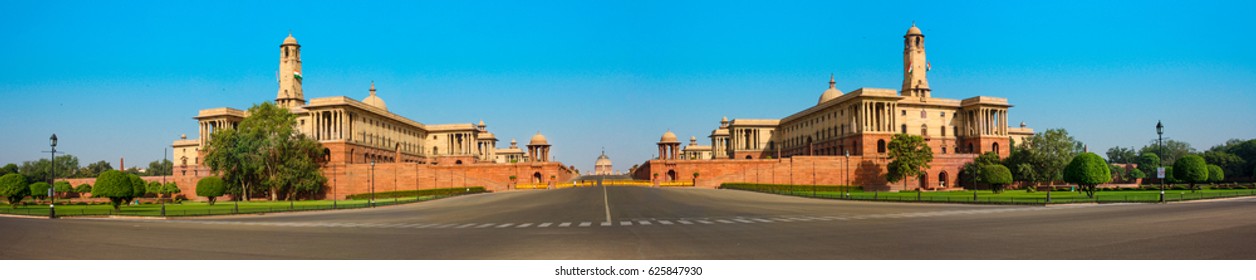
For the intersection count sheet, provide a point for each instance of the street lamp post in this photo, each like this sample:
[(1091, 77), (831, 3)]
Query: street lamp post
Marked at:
[(372, 202), (52, 207), (1160, 142)]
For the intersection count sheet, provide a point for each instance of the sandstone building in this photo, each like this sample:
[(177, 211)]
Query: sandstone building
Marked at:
[(852, 126), (356, 133)]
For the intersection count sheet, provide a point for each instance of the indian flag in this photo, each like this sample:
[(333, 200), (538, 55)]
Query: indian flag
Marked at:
[(296, 74), (910, 69), (928, 66)]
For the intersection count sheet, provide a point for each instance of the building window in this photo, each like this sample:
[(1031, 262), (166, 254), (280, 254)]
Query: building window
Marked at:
[(880, 146), (904, 129), (944, 150), (904, 112), (943, 131)]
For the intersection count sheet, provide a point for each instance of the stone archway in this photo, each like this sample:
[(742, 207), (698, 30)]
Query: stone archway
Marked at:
[(536, 178), (995, 147), (671, 175), (943, 180), (924, 180), (881, 146)]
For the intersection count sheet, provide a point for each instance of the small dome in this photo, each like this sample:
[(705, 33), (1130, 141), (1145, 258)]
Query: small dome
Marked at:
[(290, 40), (538, 140), (375, 100), (488, 136), (668, 137), (831, 93), (913, 30)]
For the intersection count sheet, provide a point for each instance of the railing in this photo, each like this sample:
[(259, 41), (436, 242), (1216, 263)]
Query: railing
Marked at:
[(220, 208)]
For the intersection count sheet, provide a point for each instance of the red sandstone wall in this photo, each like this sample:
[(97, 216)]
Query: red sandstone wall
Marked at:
[(866, 171), (347, 179)]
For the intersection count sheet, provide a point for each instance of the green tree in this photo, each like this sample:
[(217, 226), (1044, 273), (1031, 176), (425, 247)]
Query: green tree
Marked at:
[(138, 187), (83, 189), (1173, 150), (1117, 172), (8, 169), (1049, 152), (153, 188), (13, 186), (39, 190), (161, 167), (114, 185), (996, 175), (62, 188), (211, 188), (264, 151), (38, 170), (93, 169), (1215, 174), (970, 172), (1148, 163), (1168, 175), (171, 189), (1137, 174), (909, 157), (1191, 169), (1121, 155), (1087, 170)]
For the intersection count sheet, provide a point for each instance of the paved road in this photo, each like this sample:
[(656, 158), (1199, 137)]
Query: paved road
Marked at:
[(652, 223)]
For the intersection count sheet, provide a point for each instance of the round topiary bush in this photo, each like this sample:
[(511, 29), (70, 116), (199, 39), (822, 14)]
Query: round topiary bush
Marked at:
[(211, 188), (40, 190), (1087, 170), (114, 185), (13, 186), (996, 175), (1191, 169)]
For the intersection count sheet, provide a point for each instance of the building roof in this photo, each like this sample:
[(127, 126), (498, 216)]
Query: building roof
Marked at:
[(914, 30), (538, 140), (374, 100), (290, 40), (669, 137), (831, 93), (603, 160)]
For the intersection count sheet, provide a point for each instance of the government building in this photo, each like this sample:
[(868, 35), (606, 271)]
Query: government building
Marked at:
[(358, 135), (842, 139)]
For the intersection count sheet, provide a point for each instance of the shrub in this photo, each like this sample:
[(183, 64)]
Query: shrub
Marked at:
[(1087, 170), (211, 187), (996, 175), (114, 185), (40, 190), (13, 186), (63, 187), (153, 188), (138, 187), (170, 189), (83, 189), (1137, 174), (1215, 174), (1191, 169)]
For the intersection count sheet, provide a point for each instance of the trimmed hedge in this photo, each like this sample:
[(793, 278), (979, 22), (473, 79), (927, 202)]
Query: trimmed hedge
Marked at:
[(418, 193), (789, 188)]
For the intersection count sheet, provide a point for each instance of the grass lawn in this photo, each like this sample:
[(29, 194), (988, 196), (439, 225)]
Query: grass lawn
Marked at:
[(189, 208), (1022, 197)]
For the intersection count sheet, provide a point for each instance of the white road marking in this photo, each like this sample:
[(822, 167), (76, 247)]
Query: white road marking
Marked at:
[(685, 222), (724, 221), (585, 224), (485, 225), (504, 225), (644, 223), (782, 219), (606, 224), (606, 201), (665, 222), (466, 226), (761, 220), (744, 221), (544, 225), (625, 223), (524, 225), (705, 222), (564, 224)]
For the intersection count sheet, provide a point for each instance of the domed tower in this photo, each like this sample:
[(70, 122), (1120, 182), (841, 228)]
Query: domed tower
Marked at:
[(832, 92), (538, 148), (669, 146), (290, 93), (603, 165), (374, 100), (915, 84)]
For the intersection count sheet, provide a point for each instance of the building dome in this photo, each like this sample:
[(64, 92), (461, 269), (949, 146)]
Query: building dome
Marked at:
[(290, 40), (603, 160), (488, 136), (913, 30), (669, 137), (831, 93), (375, 100), (538, 140)]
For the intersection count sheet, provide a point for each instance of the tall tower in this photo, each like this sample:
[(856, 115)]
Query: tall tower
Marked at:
[(290, 94), (914, 64)]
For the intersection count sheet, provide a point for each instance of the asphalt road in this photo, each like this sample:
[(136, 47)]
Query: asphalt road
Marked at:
[(653, 223)]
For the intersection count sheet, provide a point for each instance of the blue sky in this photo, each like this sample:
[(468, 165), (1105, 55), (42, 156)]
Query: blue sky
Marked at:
[(124, 79)]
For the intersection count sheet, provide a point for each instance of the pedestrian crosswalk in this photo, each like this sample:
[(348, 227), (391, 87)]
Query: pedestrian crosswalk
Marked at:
[(652, 222)]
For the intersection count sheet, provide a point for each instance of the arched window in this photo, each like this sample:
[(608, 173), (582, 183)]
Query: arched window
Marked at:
[(671, 175), (996, 147), (904, 129), (536, 178), (942, 179), (970, 147), (880, 146), (943, 129), (459, 162), (924, 130)]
